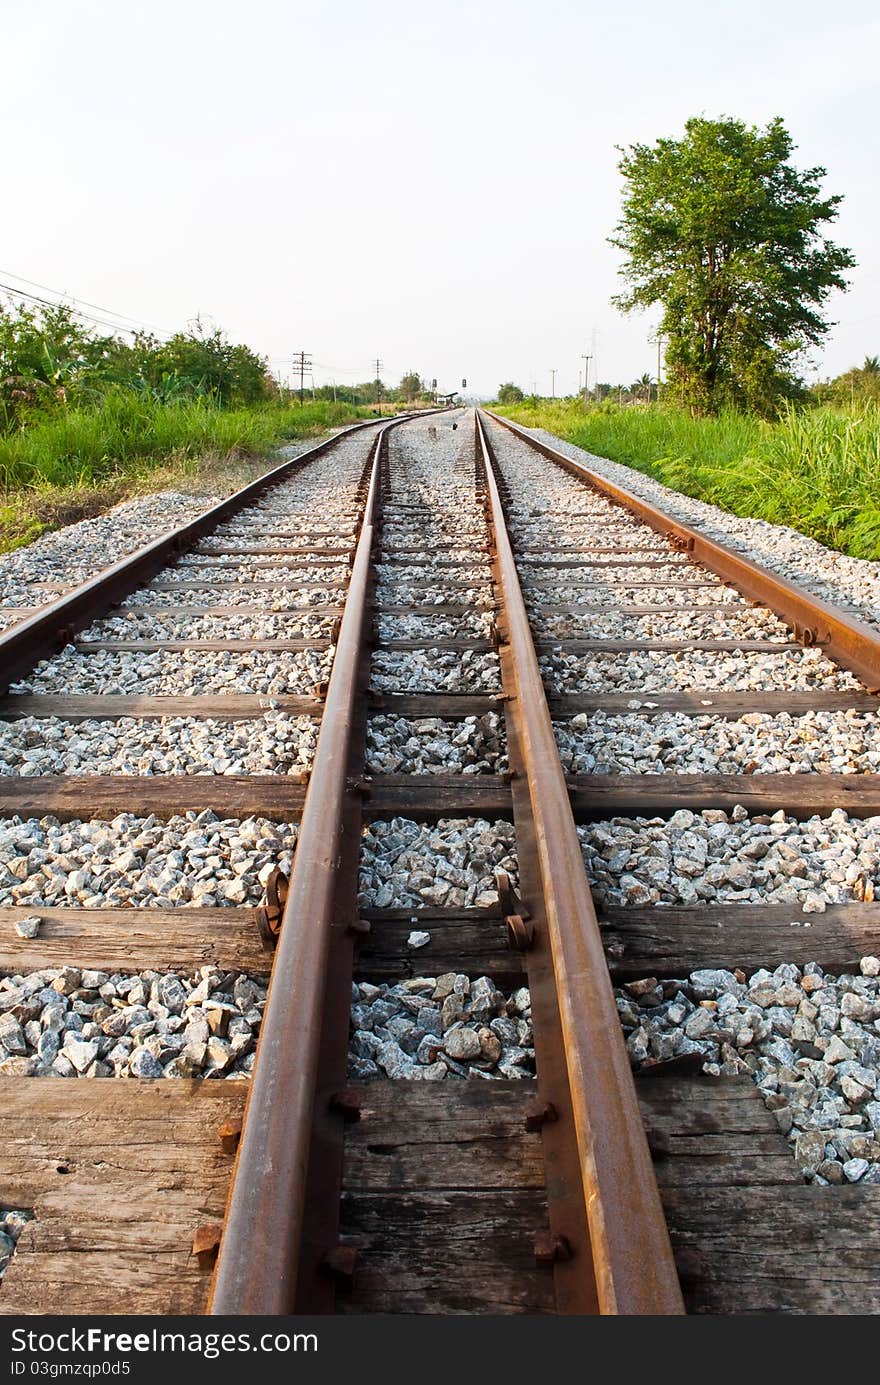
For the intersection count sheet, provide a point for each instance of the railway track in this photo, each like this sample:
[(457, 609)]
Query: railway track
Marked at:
[(375, 667)]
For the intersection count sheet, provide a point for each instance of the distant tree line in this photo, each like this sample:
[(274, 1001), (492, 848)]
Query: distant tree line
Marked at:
[(411, 390), (859, 385)]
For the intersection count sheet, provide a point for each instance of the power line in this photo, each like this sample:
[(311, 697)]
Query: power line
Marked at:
[(77, 312), (62, 293)]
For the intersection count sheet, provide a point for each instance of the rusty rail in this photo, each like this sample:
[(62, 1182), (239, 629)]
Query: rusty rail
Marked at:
[(632, 1262), (42, 634), (259, 1257), (847, 640)]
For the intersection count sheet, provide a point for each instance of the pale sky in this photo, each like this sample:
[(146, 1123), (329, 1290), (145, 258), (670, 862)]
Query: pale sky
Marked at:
[(427, 183)]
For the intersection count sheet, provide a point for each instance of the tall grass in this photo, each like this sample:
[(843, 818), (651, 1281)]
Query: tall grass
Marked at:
[(816, 470), (129, 430)]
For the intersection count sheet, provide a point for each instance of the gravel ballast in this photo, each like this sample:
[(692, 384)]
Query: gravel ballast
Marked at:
[(258, 624), (271, 744), (435, 670), (431, 745), (844, 742), (407, 864), (687, 625), (76, 552), (72, 1022), (428, 1028), (265, 598), (716, 857), (809, 1039), (193, 859), (657, 671), (187, 672)]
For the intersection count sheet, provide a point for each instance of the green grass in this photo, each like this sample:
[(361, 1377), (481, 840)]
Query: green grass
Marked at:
[(80, 446), (816, 470), (74, 463)]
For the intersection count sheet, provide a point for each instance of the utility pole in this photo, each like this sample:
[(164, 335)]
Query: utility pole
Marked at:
[(378, 381), (552, 384), (302, 361), (586, 360), (659, 340)]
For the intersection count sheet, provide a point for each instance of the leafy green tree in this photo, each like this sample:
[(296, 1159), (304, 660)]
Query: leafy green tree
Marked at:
[(47, 359), (510, 393), (857, 386), (205, 363), (643, 388), (725, 234), (410, 387)]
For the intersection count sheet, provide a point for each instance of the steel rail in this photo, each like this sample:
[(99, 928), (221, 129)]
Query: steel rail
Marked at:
[(41, 634), (256, 1271), (846, 639), (632, 1261)]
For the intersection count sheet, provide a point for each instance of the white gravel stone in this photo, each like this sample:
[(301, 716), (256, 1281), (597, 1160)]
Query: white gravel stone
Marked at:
[(196, 859), (273, 744), (428, 1028), (34, 574), (189, 672), (69, 1022), (223, 571), (406, 864), (435, 670), (853, 583), (255, 624), (401, 594), (578, 601), (745, 624), (807, 1038), (712, 856), (272, 599), (469, 624), (844, 742), (431, 745), (654, 671)]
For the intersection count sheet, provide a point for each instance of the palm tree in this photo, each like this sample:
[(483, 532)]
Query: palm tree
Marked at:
[(643, 387), (872, 365)]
